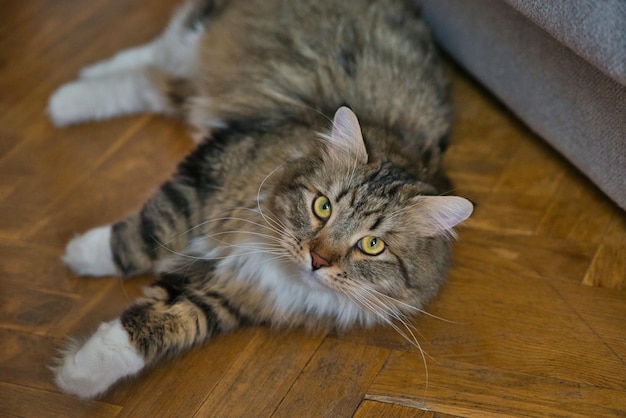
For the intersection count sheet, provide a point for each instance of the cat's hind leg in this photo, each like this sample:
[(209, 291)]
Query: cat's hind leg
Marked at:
[(104, 97), (146, 78), (123, 61), (173, 51)]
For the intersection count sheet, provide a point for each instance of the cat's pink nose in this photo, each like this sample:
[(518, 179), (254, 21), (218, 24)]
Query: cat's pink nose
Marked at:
[(317, 261)]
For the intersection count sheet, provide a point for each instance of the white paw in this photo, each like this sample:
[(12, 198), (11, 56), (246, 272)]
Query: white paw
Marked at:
[(106, 357), (90, 254), (72, 103), (105, 97)]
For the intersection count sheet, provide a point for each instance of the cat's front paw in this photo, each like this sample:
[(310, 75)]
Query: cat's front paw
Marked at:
[(106, 357), (90, 254)]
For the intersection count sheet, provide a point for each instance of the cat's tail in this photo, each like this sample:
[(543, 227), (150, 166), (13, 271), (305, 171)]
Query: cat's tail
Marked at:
[(148, 78)]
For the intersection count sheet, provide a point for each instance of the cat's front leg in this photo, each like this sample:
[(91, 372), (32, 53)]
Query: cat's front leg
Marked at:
[(174, 316), (89, 370), (90, 254), (164, 228)]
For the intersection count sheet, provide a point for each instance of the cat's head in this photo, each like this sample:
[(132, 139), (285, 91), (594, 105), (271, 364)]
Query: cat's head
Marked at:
[(365, 229)]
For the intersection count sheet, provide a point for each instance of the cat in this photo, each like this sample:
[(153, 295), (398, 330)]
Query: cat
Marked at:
[(314, 198)]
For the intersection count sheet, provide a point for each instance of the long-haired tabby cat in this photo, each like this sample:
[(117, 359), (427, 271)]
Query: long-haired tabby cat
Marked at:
[(290, 211)]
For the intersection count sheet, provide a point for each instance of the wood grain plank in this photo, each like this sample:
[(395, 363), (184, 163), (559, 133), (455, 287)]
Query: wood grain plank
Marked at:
[(507, 212), (533, 171), (33, 311), (521, 254), (262, 375), (19, 269), (464, 389), (603, 311), (24, 359), (117, 187), (372, 409), (27, 402), (521, 324), (608, 268), (101, 300), (29, 186), (335, 380), (180, 386), (473, 175), (578, 212)]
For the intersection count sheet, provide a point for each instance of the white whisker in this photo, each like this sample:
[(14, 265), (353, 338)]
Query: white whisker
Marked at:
[(258, 194), (244, 232), (410, 307), (363, 296)]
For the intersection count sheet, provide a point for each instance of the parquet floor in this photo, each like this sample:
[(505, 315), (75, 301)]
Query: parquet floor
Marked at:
[(531, 322)]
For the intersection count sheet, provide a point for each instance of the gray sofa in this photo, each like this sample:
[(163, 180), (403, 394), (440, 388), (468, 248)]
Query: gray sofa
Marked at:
[(559, 65)]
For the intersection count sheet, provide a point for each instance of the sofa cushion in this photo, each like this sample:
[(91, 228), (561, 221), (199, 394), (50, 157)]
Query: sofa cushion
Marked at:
[(575, 106), (595, 30)]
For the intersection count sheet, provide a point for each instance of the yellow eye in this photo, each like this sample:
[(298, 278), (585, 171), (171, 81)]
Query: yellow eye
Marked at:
[(371, 245), (322, 208)]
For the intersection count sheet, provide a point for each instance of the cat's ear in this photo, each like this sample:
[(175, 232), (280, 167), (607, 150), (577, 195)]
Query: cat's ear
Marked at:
[(436, 215), (345, 137)]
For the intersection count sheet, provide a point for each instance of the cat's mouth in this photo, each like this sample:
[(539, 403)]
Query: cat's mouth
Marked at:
[(313, 279)]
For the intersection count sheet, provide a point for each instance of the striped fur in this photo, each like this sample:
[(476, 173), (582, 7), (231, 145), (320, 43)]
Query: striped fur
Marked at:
[(234, 234)]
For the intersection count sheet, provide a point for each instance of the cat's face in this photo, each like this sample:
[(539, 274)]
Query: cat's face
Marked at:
[(352, 229), (364, 229)]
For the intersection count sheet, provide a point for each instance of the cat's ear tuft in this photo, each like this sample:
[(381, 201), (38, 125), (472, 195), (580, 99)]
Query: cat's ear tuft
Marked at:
[(346, 136), (436, 215)]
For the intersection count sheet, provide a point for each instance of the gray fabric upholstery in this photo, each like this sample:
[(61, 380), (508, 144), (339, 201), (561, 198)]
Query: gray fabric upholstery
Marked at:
[(593, 29), (566, 92)]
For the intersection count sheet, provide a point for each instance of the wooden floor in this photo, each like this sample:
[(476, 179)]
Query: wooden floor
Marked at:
[(531, 322)]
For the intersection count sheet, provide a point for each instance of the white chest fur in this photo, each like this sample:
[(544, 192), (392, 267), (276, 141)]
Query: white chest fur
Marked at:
[(286, 289)]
